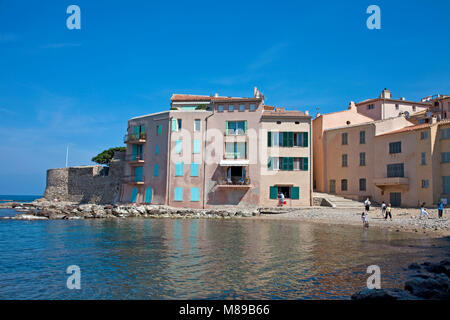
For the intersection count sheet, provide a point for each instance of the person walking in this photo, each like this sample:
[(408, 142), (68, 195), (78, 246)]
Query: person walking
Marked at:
[(423, 211), (281, 199), (383, 209), (367, 205), (364, 220), (440, 208), (388, 212)]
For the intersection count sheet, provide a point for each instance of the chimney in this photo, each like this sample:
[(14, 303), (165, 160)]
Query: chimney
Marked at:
[(351, 105), (433, 119), (385, 94), (216, 95), (307, 112)]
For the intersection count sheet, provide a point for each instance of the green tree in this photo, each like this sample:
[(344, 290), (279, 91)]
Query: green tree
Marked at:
[(106, 156)]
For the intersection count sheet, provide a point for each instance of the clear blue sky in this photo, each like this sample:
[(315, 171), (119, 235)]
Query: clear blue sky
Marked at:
[(63, 87)]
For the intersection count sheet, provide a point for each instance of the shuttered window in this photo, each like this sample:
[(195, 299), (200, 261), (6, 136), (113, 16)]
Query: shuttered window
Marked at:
[(295, 193), (179, 169), (178, 194), (194, 169), (195, 194), (273, 192)]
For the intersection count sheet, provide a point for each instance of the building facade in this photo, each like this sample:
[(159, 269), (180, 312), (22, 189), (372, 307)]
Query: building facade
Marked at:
[(214, 151)]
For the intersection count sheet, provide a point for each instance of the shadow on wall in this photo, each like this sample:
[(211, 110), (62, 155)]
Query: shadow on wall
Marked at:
[(224, 195)]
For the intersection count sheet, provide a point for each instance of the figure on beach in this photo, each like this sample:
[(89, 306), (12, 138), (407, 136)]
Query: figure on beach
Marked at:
[(440, 208), (388, 212), (364, 220), (281, 199), (367, 204), (383, 209), (423, 211)]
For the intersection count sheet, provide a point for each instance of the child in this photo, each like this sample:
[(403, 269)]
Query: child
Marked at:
[(440, 208), (388, 212), (423, 211), (364, 220), (367, 204)]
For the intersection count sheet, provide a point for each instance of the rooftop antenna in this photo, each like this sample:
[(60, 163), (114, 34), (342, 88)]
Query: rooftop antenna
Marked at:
[(67, 155)]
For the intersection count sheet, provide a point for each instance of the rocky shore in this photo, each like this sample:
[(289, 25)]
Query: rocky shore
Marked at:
[(428, 281), (404, 219)]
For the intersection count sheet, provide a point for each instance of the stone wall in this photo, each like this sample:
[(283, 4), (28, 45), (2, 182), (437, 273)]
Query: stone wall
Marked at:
[(86, 184)]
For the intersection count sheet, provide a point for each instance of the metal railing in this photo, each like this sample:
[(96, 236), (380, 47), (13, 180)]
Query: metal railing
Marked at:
[(234, 155), (133, 179), (134, 137), (233, 181), (134, 157)]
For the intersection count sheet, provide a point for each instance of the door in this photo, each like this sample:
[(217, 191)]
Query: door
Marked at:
[(332, 186), (395, 198), (134, 192), (148, 195)]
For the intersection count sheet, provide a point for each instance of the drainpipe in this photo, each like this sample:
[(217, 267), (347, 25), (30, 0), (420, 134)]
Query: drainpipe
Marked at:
[(204, 157), (168, 162), (311, 164)]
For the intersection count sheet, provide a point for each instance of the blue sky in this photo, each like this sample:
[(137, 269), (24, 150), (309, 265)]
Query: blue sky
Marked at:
[(62, 87)]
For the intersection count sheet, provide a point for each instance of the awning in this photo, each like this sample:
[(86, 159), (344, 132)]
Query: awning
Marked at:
[(233, 163)]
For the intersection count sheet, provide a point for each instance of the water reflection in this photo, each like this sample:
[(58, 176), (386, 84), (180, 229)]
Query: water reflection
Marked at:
[(201, 259)]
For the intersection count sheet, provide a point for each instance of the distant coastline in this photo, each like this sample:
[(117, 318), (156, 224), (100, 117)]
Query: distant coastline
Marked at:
[(18, 198)]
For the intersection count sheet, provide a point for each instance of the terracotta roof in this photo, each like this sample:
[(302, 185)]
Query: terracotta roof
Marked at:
[(408, 128), (284, 114), (192, 97), (392, 100), (268, 108)]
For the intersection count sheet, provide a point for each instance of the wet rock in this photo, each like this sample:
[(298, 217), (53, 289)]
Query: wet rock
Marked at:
[(432, 288), (29, 217), (383, 294)]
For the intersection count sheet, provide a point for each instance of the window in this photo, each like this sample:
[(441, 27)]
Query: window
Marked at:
[(231, 108), (220, 108), (195, 194), (396, 107), (362, 159), (332, 186), (414, 108), (196, 146), (395, 170), (423, 158), (252, 107), (178, 146), (178, 194), (362, 184), (156, 170), (194, 169), (344, 138), (370, 106), (176, 124), (179, 169), (344, 160), (158, 130), (362, 137), (424, 135), (242, 107), (287, 163), (273, 163), (446, 184), (445, 156), (236, 127), (395, 147), (197, 124), (235, 150), (156, 149), (301, 164), (445, 133), (344, 185), (138, 177), (425, 183)]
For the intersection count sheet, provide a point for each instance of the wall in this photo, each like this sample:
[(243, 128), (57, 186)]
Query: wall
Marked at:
[(86, 184)]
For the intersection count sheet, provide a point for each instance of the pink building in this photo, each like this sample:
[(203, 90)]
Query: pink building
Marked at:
[(210, 150)]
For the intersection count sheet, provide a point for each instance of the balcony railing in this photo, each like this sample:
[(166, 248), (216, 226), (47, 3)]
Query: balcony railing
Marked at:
[(133, 179), (235, 132), (138, 158), (234, 155), (233, 181), (135, 138)]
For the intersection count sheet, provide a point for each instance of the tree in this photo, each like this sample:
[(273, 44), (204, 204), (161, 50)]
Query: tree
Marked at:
[(106, 156)]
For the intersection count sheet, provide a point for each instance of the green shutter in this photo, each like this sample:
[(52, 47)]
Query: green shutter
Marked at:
[(136, 132), (295, 193), (134, 152), (156, 170), (290, 139), (148, 195), (285, 139), (273, 192), (269, 139), (226, 127), (291, 164), (159, 130), (270, 163), (245, 126), (134, 192), (143, 128), (305, 164), (174, 125), (178, 146), (305, 139)]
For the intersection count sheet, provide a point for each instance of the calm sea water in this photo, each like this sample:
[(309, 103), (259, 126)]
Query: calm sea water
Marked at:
[(18, 198), (201, 259)]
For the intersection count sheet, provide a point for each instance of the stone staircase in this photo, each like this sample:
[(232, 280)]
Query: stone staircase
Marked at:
[(336, 201)]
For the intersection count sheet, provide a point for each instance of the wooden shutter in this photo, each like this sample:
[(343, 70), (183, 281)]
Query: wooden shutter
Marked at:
[(148, 195), (226, 127), (305, 139), (245, 126), (305, 164), (290, 139), (270, 163), (273, 192), (174, 124), (291, 163), (295, 194), (269, 139)]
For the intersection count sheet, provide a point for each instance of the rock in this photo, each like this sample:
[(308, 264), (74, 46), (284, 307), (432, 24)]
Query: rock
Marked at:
[(383, 294), (431, 288), (414, 266), (29, 217)]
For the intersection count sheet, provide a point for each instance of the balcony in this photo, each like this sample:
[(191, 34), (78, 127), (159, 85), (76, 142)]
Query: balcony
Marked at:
[(133, 179), (135, 138), (134, 159), (235, 132), (383, 183), (235, 155), (234, 177)]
